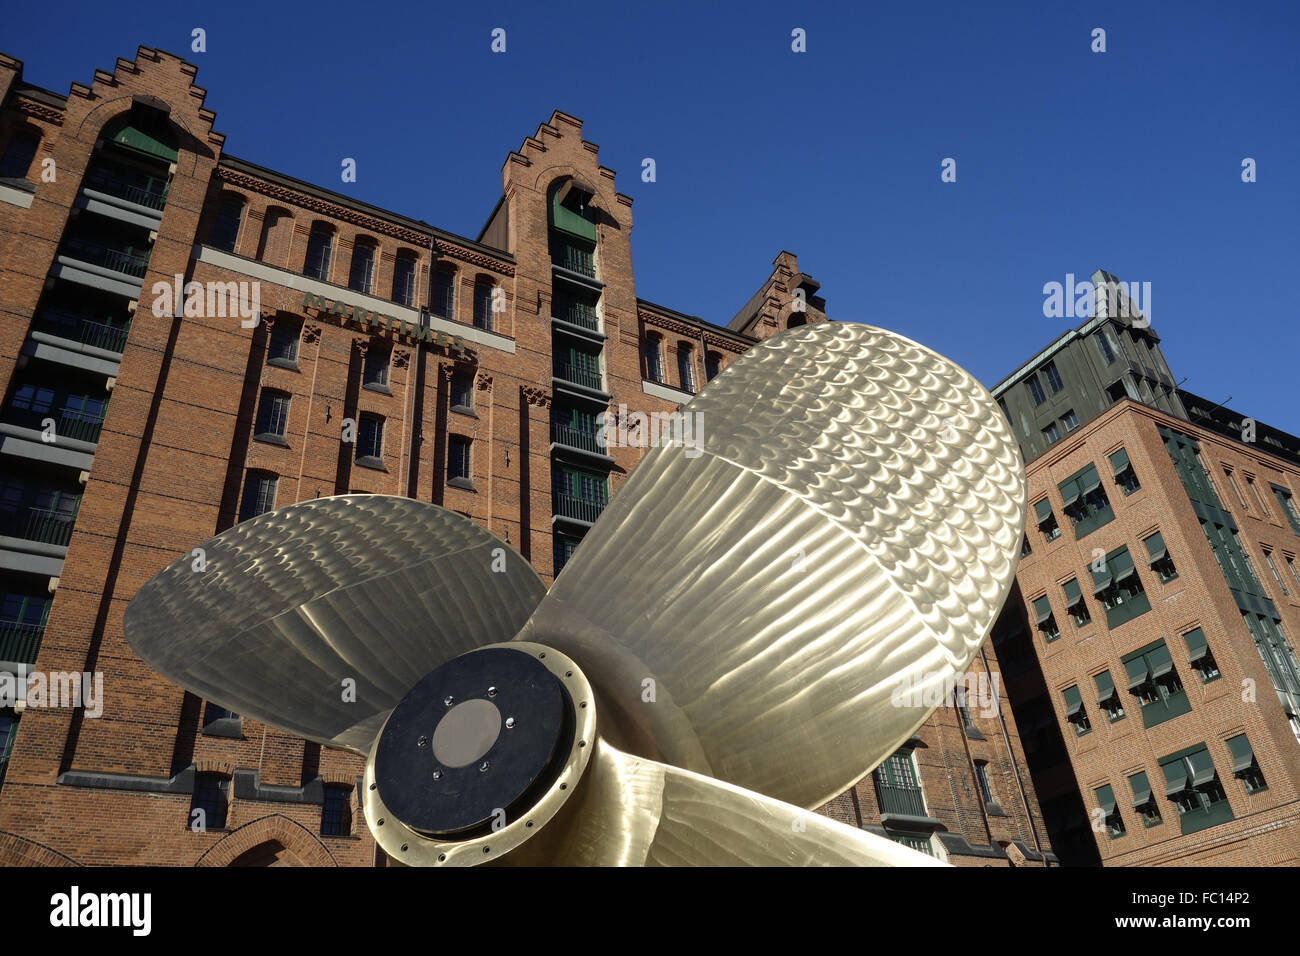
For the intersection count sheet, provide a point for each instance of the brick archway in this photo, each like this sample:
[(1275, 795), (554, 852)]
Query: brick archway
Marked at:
[(20, 851), (295, 842)]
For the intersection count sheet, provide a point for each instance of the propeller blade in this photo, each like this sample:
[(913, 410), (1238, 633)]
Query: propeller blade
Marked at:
[(630, 811), (847, 523), (317, 618)]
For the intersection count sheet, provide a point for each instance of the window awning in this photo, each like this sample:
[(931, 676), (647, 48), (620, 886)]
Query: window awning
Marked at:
[(1137, 672), (1069, 493), (1105, 687), (1160, 660), (1101, 580), (1141, 789), (1197, 647), (1175, 777), (139, 141), (1106, 799), (1073, 702), (1121, 564), (1042, 608), (1243, 757), (1089, 481), (1073, 596), (1119, 462), (1043, 509), (1155, 547), (1202, 767)]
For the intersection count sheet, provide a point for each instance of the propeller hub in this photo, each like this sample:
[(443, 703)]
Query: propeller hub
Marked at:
[(474, 742)]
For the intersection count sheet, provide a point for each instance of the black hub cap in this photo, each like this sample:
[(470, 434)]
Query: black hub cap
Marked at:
[(482, 734)]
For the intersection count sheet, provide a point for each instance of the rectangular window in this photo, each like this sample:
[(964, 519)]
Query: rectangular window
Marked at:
[(282, 348), (320, 247), (1076, 604), (210, 802), (259, 495), (1105, 346), (1153, 680), (565, 545), (1053, 377), (1254, 493), (1075, 714), (1159, 560), (375, 369), (1085, 501), (1106, 801), (225, 230), (577, 365), (712, 365), (1045, 619), (18, 155), (444, 286), (1108, 698), (1046, 520), (1119, 588), (1202, 659), (336, 811), (458, 459), (1069, 421), (1236, 489), (483, 301), (1143, 800), (272, 415), (685, 367), (1277, 575), (462, 392), (370, 440), (654, 371), (1290, 566), (362, 269), (1192, 784), (1051, 433), (1284, 502), (1122, 469), (898, 788), (404, 280), (1025, 549), (986, 788), (1244, 766), (1036, 390)]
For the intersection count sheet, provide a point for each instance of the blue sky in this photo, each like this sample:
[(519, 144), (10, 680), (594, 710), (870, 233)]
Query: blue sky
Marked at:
[(1067, 160)]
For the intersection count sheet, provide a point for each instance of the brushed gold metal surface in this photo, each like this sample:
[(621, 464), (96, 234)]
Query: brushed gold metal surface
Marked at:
[(374, 589), (850, 520)]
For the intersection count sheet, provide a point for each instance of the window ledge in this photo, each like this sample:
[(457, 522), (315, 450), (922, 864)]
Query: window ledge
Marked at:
[(270, 438), (290, 364), (370, 461), (993, 810), (464, 483), (464, 410), (376, 387)]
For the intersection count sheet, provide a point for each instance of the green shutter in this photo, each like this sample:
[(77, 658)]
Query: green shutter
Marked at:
[(1106, 799), (1119, 462), (1088, 481), (1155, 547), (1073, 701), (1121, 564), (1042, 608), (1242, 754), (1160, 661), (1105, 687), (1043, 509), (1137, 672), (1069, 492), (1202, 767), (566, 220), (1101, 580), (1141, 789), (1197, 647), (1072, 593), (1175, 777), (1284, 502)]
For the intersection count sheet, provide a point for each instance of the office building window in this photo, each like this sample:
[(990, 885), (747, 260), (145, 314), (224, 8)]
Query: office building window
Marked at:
[(1254, 493), (444, 293), (210, 801), (370, 440), (1291, 568), (374, 372), (1143, 800), (1119, 588), (259, 495), (1035, 388), (404, 279), (1277, 575), (272, 416), (1069, 421), (1160, 562), (336, 811), (282, 348), (1192, 784), (1154, 682), (565, 546), (1045, 620), (1284, 502), (1053, 377), (1110, 812), (1085, 501), (1122, 469), (1076, 604), (1244, 766), (1051, 433), (1108, 698), (1105, 347), (1075, 713), (1236, 488), (320, 249), (362, 272), (1202, 660), (458, 462), (1025, 549), (1046, 520)]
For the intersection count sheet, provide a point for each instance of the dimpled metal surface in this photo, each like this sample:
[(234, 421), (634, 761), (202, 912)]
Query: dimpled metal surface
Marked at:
[(289, 605), (849, 524)]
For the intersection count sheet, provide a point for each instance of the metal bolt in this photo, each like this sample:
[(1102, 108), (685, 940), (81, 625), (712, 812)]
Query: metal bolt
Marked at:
[(446, 701), (422, 742), (437, 775), (482, 768), (510, 723), (492, 691)]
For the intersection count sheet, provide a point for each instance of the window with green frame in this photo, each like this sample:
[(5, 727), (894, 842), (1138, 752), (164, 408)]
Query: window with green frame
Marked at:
[(1244, 766), (1143, 800), (1119, 588), (1283, 496), (1193, 785), (917, 842), (1202, 659), (1075, 714), (577, 364), (1045, 620), (582, 485), (1122, 469), (1075, 603), (1085, 501), (1110, 812), (565, 545), (1108, 698), (1159, 560), (1153, 680), (1046, 520), (22, 625), (1275, 651), (8, 727)]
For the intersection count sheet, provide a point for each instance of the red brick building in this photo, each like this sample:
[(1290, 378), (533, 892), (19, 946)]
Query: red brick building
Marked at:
[(315, 345)]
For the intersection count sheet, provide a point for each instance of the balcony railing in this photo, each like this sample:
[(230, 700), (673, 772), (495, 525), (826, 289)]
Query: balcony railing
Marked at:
[(19, 642), (83, 329), (577, 438), (581, 509), (97, 254), (575, 258), (68, 423), (38, 524), (142, 191), (905, 800), (580, 315), (579, 376)]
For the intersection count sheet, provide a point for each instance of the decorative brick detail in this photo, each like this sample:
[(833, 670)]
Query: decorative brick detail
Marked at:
[(293, 836)]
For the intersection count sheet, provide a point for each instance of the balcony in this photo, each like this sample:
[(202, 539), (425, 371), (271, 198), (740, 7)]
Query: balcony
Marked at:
[(68, 423), (906, 801), (19, 642), (116, 260), (577, 438), (38, 524), (574, 258), (85, 330), (585, 377), (141, 190), (585, 510), (579, 314)]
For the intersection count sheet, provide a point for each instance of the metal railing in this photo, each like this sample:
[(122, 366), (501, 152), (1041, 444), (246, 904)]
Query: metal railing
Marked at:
[(583, 316), (83, 329), (575, 258), (577, 438), (579, 376), (68, 423), (581, 509), (142, 191), (19, 642), (907, 800), (98, 254), (37, 524)]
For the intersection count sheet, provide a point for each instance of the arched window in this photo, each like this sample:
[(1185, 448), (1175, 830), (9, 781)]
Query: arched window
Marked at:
[(225, 227), (362, 272), (712, 365), (404, 278), (444, 292), (320, 248), (277, 233), (796, 319), (572, 219), (652, 356), (483, 296), (685, 367)]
